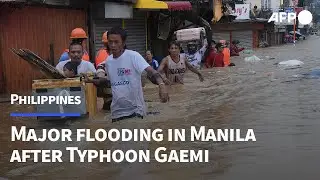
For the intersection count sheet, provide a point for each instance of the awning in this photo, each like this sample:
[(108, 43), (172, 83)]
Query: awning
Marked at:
[(170, 5)]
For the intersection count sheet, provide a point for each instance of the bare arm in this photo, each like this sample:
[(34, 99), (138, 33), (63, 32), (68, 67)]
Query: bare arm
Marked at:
[(194, 70), (163, 65), (154, 76), (100, 81)]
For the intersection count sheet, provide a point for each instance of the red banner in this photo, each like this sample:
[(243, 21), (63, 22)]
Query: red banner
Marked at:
[(298, 10)]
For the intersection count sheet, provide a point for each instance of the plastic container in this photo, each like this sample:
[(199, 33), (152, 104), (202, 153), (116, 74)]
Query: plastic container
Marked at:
[(190, 34)]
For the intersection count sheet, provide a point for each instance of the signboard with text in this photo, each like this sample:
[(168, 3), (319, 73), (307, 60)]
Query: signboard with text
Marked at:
[(242, 11), (288, 10)]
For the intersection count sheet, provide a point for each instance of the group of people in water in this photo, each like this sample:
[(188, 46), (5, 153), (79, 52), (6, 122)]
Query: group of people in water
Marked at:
[(219, 55), (121, 69)]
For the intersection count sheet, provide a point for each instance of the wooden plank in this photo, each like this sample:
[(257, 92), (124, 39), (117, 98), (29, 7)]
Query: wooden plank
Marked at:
[(91, 99), (57, 83)]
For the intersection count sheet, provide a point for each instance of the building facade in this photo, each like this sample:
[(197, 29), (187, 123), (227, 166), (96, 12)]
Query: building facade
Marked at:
[(42, 28)]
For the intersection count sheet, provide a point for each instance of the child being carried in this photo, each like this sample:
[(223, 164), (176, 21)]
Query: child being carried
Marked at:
[(70, 69)]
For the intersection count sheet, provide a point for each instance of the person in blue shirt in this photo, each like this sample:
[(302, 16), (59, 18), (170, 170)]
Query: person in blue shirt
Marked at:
[(151, 61)]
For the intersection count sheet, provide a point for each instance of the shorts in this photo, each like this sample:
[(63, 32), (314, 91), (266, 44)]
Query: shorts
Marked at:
[(128, 117)]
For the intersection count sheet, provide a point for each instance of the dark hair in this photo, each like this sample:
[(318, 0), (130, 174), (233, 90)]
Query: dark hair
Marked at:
[(173, 43), (119, 31), (235, 42), (72, 66), (79, 40), (73, 43), (149, 51), (219, 45)]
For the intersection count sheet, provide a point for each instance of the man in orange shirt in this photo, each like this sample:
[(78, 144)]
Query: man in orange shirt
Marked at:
[(103, 53), (77, 35), (100, 61), (226, 53)]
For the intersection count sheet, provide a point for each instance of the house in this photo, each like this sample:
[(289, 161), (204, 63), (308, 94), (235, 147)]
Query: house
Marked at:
[(242, 28)]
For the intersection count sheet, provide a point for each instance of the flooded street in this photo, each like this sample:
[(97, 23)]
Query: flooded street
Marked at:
[(282, 108)]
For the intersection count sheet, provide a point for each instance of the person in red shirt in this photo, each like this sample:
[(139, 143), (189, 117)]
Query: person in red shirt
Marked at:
[(234, 49), (215, 59), (211, 55)]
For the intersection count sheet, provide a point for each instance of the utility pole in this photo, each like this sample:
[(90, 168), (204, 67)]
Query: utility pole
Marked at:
[(295, 2)]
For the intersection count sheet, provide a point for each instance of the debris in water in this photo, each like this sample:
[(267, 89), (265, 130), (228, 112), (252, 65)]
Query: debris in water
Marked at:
[(153, 113), (252, 72), (291, 63), (296, 76), (248, 51), (252, 59), (269, 58), (314, 74)]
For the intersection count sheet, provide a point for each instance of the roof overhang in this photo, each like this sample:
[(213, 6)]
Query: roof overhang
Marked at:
[(169, 5)]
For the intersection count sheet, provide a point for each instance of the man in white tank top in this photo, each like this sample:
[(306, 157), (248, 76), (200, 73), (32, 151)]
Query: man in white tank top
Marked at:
[(175, 65)]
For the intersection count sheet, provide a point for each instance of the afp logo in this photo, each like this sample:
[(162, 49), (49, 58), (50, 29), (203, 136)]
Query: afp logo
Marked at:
[(124, 72), (304, 17)]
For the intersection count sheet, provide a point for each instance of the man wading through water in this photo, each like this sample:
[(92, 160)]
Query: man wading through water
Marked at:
[(75, 54), (175, 65), (124, 68)]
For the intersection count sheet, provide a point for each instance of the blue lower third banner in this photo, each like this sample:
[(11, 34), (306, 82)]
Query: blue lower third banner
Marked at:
[(45, 114)]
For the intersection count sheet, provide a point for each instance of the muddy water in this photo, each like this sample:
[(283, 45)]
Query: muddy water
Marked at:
[(282, 109)]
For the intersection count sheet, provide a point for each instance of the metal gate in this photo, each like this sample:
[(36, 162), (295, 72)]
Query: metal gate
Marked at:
[(50, 32), (137, 32), (245, 38), (217, 36), (100, 27), (1, 77)]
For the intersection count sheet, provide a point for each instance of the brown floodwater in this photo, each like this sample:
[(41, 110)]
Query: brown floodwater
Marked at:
[(282, 108)]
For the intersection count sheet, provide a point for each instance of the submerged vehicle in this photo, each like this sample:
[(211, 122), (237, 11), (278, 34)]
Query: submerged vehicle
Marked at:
[(298, 35)]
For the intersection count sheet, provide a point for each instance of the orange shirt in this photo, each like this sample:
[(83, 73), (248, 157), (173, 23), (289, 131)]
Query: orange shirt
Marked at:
[(226, 56), (102, 55)]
